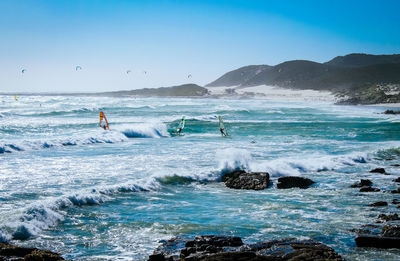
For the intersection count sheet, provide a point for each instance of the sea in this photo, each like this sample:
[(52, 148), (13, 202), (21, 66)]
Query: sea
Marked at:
[(69, 186)]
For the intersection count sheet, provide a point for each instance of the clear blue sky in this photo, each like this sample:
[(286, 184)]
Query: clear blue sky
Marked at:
[(171, 39)]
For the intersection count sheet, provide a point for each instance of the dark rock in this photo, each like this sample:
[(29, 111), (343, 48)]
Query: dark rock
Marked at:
[(223, 248), (397, 191), (397, 180), (395, 201), (242, 180), (379, 204), (378, 241), (395, 165), (391, 112), (379, 170), (391, 231), (294, 182), (369, 189), (362, 183), (12, 252), (390, 217)]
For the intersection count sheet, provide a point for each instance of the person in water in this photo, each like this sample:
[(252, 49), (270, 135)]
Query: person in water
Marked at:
[(222, 130)]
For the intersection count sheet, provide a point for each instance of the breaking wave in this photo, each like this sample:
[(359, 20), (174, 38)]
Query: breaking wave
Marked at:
[(40, 216), (145, 130), (231, 159)]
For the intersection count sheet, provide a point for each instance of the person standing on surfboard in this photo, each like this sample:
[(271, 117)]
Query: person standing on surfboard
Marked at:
[(103, 123)]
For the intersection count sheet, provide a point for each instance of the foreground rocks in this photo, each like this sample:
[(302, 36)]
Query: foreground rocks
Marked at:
[(388, 237), (241, 180), (293, 182), (225, 248), (362, 183), (379, 170), (391, 112), (16, 253)]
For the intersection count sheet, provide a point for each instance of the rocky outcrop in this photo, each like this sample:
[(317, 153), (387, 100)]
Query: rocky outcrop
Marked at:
[(391, 112), (396, 191), (379, 204), (294, 182), (241, 180), (16, 253), (397, 180), (388, 237), (225, 248), (369, 189), (385, 218), (379, 170), (362, 183)]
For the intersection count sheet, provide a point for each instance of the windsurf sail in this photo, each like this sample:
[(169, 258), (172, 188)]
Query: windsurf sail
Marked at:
[(16, 97), (103, 123), (222, 128), (180, 127)]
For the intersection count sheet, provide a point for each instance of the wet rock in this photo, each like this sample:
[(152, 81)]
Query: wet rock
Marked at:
[(242, 180), (391, 231), (379, 170), (396, 201), (391, 112), (293, 182), (369, 189), (377, 241), (395, 165), (397, 191), (222, 248), (362, 183), (390, 217), (15, 253), (397, 180), (379, 204)]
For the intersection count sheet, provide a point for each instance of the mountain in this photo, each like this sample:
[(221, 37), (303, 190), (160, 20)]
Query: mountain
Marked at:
[(341, 73), (174, 91), (360, 60), (239, 76)]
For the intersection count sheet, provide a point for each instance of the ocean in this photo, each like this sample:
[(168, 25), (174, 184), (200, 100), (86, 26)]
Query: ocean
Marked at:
[(68, 186)]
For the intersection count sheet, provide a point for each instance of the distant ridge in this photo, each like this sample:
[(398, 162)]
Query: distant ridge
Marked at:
[(340, 73)]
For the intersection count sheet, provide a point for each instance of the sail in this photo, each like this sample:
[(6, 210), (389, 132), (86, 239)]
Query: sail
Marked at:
[(103, 121), (222, 127), (181, 124), (16, 97)]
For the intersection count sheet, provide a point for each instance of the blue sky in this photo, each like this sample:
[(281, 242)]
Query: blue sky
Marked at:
[(171, 39)]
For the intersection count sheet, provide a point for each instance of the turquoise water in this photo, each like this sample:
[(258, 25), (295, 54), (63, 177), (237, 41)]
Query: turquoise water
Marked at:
[(71, 187)]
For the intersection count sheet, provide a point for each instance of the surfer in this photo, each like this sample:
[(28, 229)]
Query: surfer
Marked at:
[(103, 121), (222, 128), (180, 127)]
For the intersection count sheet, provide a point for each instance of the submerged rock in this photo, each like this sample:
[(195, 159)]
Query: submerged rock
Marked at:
[(379, 204), (390, 217), (362, 183), (397, 191), (294, 182), (369, 189), (16, 253), (241, 180), (397, 180), (379, 170), (225, 248)]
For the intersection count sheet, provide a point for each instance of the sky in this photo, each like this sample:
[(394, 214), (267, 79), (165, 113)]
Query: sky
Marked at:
[(172, 39)]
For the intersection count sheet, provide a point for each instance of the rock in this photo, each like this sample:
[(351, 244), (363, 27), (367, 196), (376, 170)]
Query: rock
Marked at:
[(242, 180), (362, 183), (385, 218), (397, 180), (224, 248), (396, 191), (379, 170), (379, 204), (395, 201), (391, 112), (294, 182), (369, 189), (395, 165), (12, 252), (377, 241), (391, 231)]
